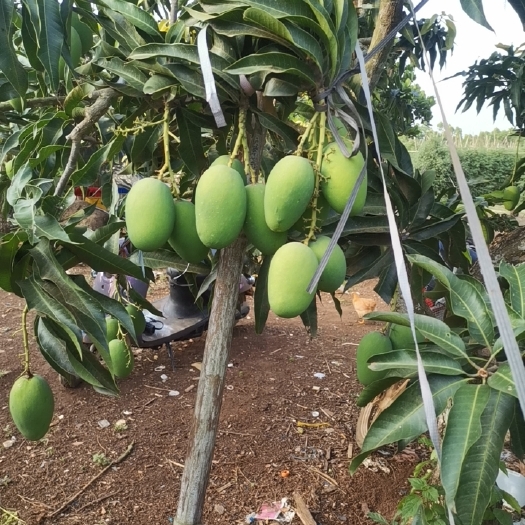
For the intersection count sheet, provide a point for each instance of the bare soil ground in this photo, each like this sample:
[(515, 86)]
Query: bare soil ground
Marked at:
[(270, 388)]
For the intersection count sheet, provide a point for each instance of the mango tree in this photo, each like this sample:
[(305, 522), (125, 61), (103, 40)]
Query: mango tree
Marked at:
[(91, 89)]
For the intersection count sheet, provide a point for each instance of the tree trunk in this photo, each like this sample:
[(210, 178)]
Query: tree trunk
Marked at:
[(211, 384), (389, 15)]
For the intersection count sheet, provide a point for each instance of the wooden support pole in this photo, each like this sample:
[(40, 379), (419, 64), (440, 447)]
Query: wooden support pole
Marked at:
[(211, 385)]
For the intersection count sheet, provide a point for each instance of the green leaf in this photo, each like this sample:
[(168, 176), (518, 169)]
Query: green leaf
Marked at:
[(260, 300), (51, 39), (279, 9), (53, 346), (272, 62), (47, 226), (11, 141), (288, 134), (517, 432), (140, 18), (515, 276), (431, 328), (167, 259), (131, 74), (405, 418), (465, 300), (9, 64), (30, 31), (37, 299), (190, 149), (309, 318), (474, 9), (8, 247), (100, 259), (481, 462), (502, 380), (406, 360), (463, 430), (158, 84)]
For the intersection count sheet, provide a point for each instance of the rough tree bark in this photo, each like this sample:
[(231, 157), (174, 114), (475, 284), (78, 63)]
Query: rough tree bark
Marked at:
[(389, 15), (211, 385)]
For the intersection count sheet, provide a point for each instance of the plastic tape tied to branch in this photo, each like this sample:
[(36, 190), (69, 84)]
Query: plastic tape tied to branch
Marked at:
[(209, 80)]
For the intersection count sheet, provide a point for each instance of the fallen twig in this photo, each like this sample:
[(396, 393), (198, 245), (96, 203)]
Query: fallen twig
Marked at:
[(121, 458), (325, 476), (98, 500), (175, 463), (302, 510)]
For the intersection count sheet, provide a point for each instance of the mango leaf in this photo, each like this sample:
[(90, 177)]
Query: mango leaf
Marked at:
[(12, 140), (167, 259), (37, 299), (53, 346), (405, 418), (272, 62), (131, 74), (280, 9), (374, 389), (502, 380), (517, 432), (50, 39), (406, 360), (260, 300), (8, 247), (288, 134), (158, 84), (465, 300), (515, 276), (100, 259), (463, 430), (47, 226), (309, 318), (101, 235), (9, 64), (474, 9), (140, 18), (481, 462), (431, 328), (191, 149), (30, 31)]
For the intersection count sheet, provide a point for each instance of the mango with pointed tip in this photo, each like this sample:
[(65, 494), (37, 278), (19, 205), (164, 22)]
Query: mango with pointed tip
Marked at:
[(150, 214), (340, 176), (255, 227), (220, 206), (122, 360), (291, 270), (184, 238), (334, 273), (31, 405), (289, 188)]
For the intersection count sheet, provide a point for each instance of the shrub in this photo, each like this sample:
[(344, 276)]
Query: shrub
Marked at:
[(486, 170)]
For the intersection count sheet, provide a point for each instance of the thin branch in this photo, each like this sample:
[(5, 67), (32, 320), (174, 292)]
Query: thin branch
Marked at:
[(174, 10), (104, 99), (38, 102)]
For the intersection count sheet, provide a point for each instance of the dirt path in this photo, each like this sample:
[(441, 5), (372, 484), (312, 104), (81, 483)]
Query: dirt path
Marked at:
[(270, 386)]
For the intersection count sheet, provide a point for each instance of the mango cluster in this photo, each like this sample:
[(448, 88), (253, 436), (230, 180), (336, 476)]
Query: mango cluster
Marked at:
[(225, 206), (375, 343)]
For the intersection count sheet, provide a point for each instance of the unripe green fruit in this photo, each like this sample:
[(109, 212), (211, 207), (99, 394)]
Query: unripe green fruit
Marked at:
[(289, 188), (334, 273), (184, 239), (291, 270), (401, 337), (138, 319), (511, 196), (371, 344), (340, 176), (255, 227), (150, 214), (223, 160), (111, 328), (220, 206), (31, 405), (122, 361)]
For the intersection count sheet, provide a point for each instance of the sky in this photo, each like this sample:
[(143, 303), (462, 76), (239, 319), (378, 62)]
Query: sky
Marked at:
[(473, 42)]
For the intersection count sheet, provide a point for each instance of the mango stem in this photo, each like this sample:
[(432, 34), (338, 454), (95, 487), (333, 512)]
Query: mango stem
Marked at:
[(240, 135), (25, 340), (306, 134), (317, 173)]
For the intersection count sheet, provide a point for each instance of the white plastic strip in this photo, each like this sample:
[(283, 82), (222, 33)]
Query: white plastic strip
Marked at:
[(485, 261), (404, 285), (209, 80)]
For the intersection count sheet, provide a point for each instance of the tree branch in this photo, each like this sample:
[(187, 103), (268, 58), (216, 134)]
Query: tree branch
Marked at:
[(389, 15), (39, 102), (173, 11), (104, 99)]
